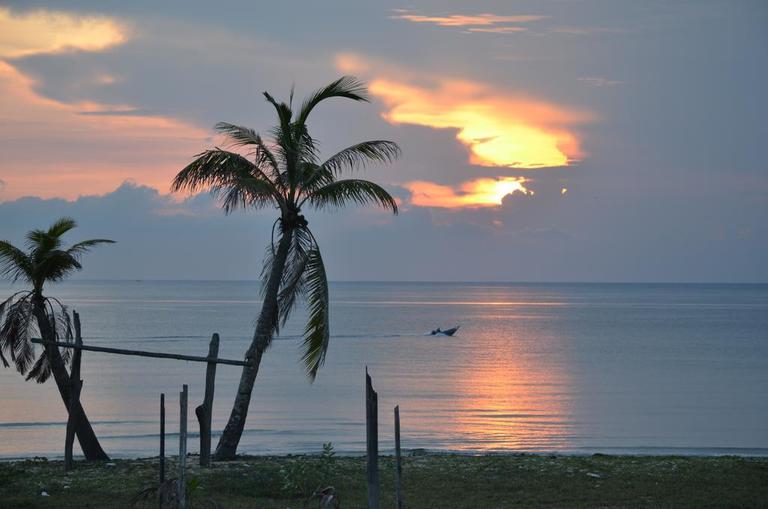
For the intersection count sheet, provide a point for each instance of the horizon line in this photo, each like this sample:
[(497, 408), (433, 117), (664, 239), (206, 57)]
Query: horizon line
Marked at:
[(420, 281)]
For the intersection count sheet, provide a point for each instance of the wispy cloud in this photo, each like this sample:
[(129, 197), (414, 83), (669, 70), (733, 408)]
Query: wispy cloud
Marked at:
[(117, 111), (463, 20), (585, 30), (477, 23), (497, 30), (597, 81), (484, 192)]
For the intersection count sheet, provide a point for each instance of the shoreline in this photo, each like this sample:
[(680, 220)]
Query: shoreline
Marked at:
[(629, 452)]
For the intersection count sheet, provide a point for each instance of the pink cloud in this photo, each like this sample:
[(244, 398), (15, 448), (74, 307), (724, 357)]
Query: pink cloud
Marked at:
[(51, 149)]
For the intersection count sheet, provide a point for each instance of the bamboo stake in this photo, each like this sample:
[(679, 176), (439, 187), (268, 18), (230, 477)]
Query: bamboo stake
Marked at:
[(183, 448), (372, 441), (204, 412), (162, 438), (398, 463), (75, 386)]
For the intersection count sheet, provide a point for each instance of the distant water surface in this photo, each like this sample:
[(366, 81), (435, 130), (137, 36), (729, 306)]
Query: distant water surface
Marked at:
[(573, 368)]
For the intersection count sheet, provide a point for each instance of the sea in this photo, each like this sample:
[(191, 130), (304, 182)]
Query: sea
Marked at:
[(535, 368)]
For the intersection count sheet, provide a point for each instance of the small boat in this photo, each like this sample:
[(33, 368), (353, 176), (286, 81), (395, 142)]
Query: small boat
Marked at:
[(446, 332)]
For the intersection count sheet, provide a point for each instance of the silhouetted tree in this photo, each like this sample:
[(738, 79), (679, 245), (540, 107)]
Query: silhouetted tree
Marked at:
[(286, 173), (27, 311)]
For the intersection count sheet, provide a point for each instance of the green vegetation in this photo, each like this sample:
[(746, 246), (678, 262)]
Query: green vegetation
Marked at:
[(287, 174), (444, 481)]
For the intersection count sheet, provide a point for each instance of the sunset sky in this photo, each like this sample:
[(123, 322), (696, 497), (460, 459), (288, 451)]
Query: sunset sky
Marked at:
[(542, 140)]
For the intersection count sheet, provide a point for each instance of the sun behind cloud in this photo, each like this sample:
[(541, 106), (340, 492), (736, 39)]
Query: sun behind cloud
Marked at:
[(484, 192), (500, 129)]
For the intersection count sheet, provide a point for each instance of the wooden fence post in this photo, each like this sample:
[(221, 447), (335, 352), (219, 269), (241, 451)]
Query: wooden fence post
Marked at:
[(204, 412), (75, 386), (182, 498), (162, 438), (398, 463), (69, 439), (372, 441)]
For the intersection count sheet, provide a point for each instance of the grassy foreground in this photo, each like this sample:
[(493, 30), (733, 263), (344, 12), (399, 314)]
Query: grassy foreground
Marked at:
[(431, 481)]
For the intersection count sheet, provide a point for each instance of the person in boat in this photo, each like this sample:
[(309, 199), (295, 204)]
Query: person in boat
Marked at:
[(436, 331)]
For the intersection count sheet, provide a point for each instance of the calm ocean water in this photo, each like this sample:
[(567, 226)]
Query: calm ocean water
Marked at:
[(577, 368)]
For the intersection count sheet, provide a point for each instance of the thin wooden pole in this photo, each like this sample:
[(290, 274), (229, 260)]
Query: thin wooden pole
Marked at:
[(183, 448), (204, 412), (372, 441), (77, 354), (398, 463), (75, 386), (141, 353), (162, 438), (69, 439)]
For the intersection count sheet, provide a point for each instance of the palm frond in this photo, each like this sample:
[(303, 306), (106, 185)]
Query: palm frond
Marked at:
[(15, 331), (227, 174), (358, 155), (47, 240), (79, 248), (284, 112), (317, 331), (14, 263), (348, 87), (293, 147), (292, 285), (41, 370), (56, 265), (241, 136), (266, 270), (61, 324), (357, 191), (61, 226)]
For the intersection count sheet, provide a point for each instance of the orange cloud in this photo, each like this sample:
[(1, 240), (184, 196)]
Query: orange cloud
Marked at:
[(484, 192), (35, 32), (499, 128), (461, 20), (51, 149)]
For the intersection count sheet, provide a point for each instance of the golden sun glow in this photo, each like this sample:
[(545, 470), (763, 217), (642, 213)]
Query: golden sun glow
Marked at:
[(35, 32), (499, 129), (485, 192)]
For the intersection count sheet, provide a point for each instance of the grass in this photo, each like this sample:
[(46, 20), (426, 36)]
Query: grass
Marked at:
[(431, 481)]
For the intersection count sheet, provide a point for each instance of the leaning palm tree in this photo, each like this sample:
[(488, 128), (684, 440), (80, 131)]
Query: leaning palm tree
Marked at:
[(287, 174), (27, 311)]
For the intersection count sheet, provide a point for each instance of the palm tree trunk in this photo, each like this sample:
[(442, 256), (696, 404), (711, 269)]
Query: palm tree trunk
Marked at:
[(85, 435), (226, 449)]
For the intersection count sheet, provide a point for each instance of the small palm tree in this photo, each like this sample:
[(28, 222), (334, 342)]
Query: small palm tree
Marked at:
[(27, 311), (287, 174)]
